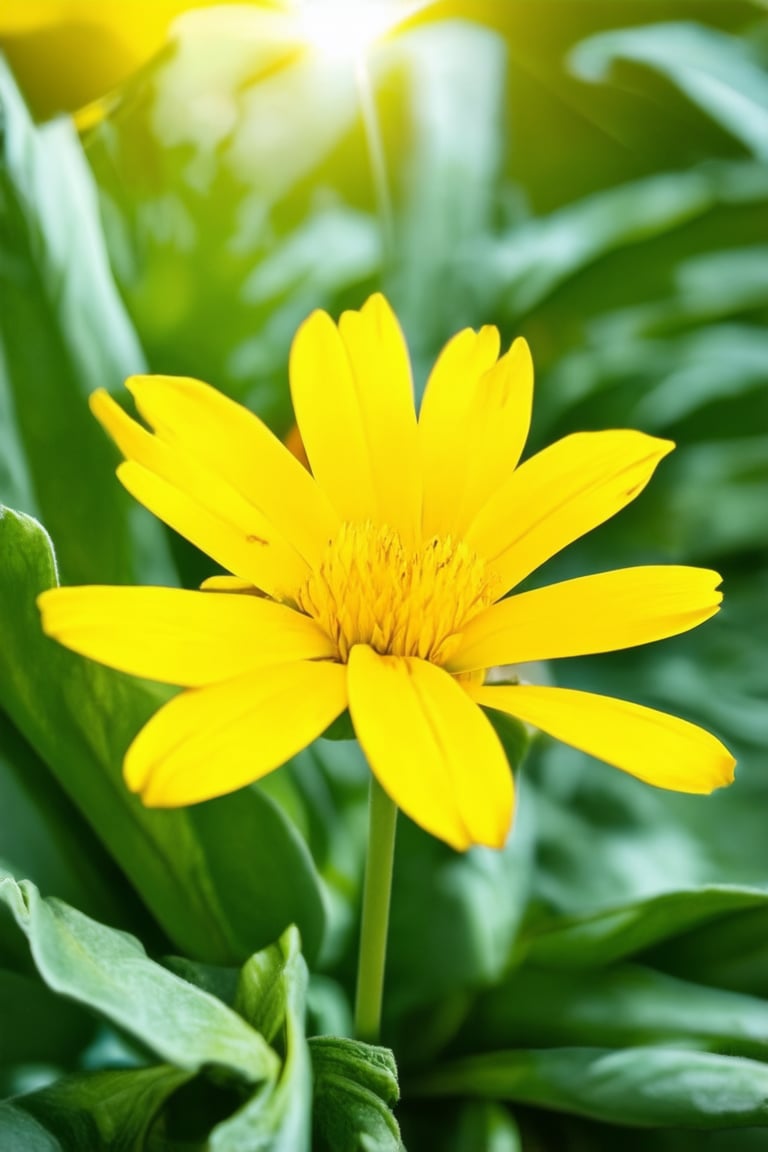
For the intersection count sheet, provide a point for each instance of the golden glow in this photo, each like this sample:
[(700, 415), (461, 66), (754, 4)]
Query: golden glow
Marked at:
[(371, 589)]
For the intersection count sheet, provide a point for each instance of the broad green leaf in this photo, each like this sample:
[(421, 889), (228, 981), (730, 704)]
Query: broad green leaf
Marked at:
[(98, 1111), (639, 1087), (722, 74), (223, 878), (604, 937), (271, 996), (109, 972), (355, 1089), (614, 1007), (63, 332)]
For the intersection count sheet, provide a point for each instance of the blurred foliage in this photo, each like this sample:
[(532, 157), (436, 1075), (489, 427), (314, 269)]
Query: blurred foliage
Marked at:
[(595, 177)]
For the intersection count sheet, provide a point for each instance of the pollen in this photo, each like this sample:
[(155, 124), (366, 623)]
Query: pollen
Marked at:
[(371, 588)]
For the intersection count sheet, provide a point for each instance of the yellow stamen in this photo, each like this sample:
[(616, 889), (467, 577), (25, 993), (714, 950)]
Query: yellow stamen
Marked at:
[(370, 588)]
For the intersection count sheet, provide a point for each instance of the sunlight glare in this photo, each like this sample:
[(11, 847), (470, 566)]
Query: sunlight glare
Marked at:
[(346, 29)]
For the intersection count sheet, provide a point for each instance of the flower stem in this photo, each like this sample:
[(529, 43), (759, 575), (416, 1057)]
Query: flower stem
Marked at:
[(382, 819)]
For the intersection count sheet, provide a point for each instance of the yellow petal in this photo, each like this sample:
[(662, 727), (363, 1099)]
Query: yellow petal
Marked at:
[(206, 426), (382, 370), (176, 636), (473, 427), (600, 613), (210, 741), (431, 748), (650, 745), (497, 429), (560, 494), (447, 400), (352, 396), (202, 506)]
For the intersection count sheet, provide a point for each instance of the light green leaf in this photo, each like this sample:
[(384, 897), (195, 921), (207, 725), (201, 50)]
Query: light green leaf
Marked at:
[(214, 902), (63, 332), (109, 972), (271, 996), (718, 72)]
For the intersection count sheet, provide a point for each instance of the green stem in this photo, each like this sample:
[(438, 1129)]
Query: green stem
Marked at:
[(382, 819)]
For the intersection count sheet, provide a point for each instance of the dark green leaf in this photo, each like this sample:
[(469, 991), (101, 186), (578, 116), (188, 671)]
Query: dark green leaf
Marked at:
[(638, 1087), (44, 837), (607, 936), (614, 1007), (100, 1111), (37, 1027)]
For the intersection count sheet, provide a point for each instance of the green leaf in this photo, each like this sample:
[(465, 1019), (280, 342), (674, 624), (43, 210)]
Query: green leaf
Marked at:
[(355, 1090), (271, 996), (638, 1087), (63, 332), (99, 1111), (109, 972), (722, 74), (215, 902), (614, 1007), (607, 936), (20, 1130)]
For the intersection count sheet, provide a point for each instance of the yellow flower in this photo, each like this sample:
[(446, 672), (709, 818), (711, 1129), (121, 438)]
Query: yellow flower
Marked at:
[(379, 582)]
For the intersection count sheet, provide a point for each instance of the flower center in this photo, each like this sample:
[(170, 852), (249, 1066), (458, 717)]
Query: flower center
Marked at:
[(370, 588)]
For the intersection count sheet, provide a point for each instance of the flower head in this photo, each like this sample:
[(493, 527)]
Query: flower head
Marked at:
[(379, 581)]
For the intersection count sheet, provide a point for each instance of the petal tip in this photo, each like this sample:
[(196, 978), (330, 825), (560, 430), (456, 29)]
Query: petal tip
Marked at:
[(101, 404)]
